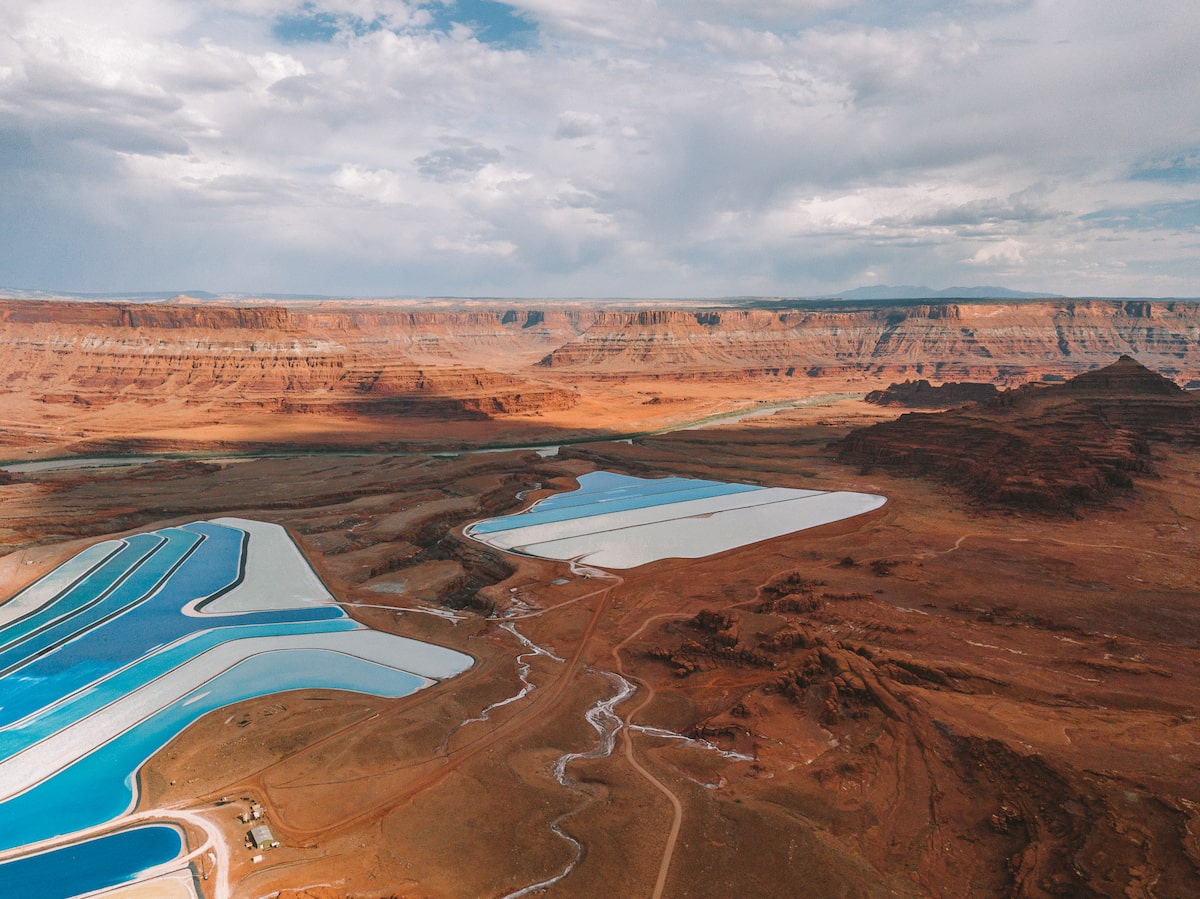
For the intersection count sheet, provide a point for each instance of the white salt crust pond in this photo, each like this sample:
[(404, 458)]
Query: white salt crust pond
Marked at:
[(616, 521)]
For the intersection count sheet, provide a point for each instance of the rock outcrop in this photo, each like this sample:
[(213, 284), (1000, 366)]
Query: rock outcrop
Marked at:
[(923, 395), (1049, 449)]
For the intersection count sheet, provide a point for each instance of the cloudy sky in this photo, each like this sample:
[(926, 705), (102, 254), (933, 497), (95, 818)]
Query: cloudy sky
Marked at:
[(599, 147)]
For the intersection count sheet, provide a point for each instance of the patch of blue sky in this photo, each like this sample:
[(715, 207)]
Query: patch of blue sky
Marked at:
[(90, 866), (85, 590), (133, 590), (306, 27), (1182, 215), (614, 501), (1181, 168), (103, 785), (491, 22), (313, 26)]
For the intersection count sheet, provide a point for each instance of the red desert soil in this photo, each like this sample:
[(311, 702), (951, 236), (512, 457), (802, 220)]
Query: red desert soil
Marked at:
[(937, 699)]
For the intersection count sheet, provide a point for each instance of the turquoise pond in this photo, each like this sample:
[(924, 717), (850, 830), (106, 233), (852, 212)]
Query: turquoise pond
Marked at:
[(121, 618), (602, 491), (92, 865)]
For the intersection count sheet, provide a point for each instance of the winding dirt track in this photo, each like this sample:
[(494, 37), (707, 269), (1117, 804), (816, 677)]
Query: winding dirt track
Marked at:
[(664, 865), (539, 705)]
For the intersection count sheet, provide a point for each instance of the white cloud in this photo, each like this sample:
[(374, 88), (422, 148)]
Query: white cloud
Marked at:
[(572, 124), (379, 185), (1007, 252), (646, 147)]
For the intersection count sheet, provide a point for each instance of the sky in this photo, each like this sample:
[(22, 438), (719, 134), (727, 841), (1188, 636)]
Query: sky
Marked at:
[(600, 148)]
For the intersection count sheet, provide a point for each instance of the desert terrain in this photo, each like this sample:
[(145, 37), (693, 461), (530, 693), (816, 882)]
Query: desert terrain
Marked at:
[(987, 687), (93, 378)]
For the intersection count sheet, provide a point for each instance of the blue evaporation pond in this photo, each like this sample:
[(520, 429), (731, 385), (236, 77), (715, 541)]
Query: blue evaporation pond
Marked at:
[(141, 631), (102, 785), (54, 717), (92, 865), (111, 621), (116, 624), (129, 590), (603, 491), (84, 592)]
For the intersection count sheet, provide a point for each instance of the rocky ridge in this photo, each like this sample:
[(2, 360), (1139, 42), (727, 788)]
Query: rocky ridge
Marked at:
[(1048, 449), (347, 361), (923, 395)]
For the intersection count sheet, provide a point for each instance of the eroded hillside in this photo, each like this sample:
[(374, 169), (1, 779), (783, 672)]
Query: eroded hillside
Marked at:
[(1040, 448)]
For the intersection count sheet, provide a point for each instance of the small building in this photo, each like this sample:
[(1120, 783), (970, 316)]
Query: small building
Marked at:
[(262, 838)]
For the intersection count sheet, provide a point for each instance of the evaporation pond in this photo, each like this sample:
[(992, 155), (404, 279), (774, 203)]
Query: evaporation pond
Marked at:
[(618, 521), (92, 865)]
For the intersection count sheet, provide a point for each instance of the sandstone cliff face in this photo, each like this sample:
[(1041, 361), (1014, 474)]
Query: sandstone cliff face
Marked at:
[(510, 337), (1041, 449), (345, 360), (316, 346), (1003, 343), (68, 362)]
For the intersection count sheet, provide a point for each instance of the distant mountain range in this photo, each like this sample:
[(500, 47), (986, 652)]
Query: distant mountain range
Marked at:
[(875, 292), (909, 292), (16, 293), (163, 296)]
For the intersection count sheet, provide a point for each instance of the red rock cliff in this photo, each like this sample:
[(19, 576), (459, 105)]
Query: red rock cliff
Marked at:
[(987, 342)]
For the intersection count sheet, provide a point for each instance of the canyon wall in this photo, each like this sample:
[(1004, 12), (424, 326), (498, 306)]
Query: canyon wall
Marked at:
[(73, 371), (320, 343), (1003, 343), (345, 360)]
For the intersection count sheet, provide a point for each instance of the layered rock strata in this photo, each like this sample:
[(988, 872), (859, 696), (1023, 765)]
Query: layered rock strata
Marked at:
[(1047, 449), (360, 372), (985, 342), (355, 361)]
